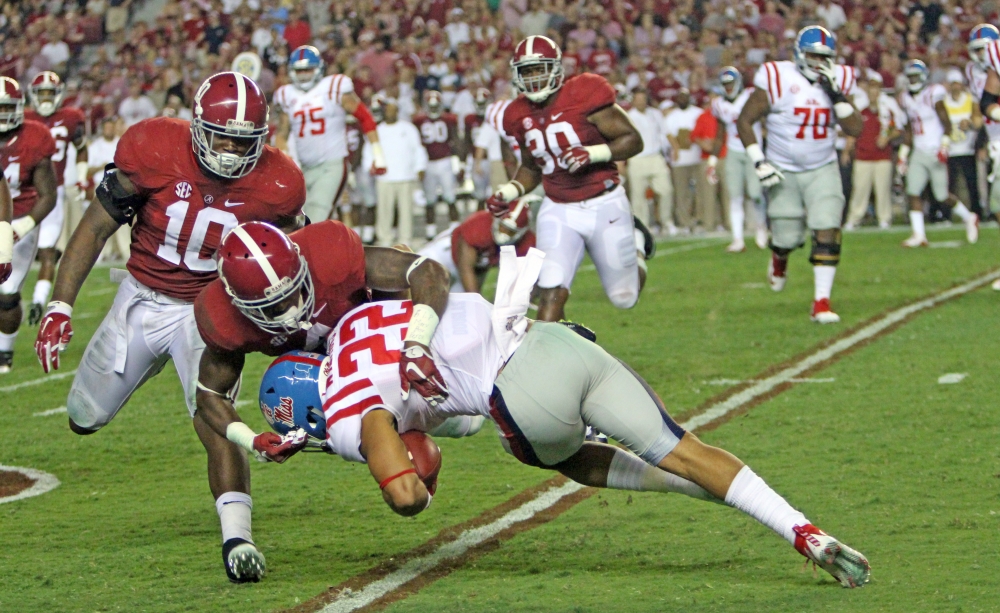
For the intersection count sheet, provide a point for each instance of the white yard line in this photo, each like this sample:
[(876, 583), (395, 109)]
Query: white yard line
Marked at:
[(55, 411), (728, 382), (38, 381), (44, 482), (348, 600)]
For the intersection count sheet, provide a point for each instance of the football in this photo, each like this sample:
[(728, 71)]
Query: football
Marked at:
[(425, 455)]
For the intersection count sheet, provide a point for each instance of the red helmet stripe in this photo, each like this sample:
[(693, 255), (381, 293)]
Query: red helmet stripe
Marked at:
[(298, 359), (258, 255)]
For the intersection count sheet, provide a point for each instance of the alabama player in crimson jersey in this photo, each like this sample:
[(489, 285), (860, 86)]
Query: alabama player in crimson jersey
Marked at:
[(799, 102), (6, 232), (26, 152), (571, 134), (312, 109), (471, 125), (181, 186), (66, 124), (439, 134)]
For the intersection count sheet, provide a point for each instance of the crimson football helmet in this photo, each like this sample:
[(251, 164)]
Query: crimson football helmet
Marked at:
[(267, 278), (46, 81), (482, 100), (537, 68), (435, 106), (11, 104), (231, 105), (510, 228)]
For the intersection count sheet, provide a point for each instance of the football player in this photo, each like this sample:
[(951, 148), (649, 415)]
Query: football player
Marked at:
[(984, 83), (26, 152), (6, 232), (312, 110), (182, 186), (473, 247), (572, 134), (439, 134), (740, 176), (471, 125), (929, 133), (66, 124), (799, 102), (552, 383)]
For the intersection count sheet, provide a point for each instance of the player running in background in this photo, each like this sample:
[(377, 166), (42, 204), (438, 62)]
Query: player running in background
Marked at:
[(571, 134), (471, 125), (439, 134), (312, 110), (799, 102), (182, 186), (66, 125), (740, 175), (26, 152), (984, 61), (929, 133)]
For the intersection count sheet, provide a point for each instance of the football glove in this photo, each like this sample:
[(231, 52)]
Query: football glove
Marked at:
[(828, 81), (499, 203), (418, 371), (5, 270), (271, 447), (54, 334), (6, 250), (576, 158), (769, 175), (942, 154)]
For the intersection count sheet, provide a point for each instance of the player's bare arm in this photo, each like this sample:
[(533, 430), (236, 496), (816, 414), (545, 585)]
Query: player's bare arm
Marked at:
[(527, 177), (80, 143), (218, 373), (623, 138), (284, 128), (991, 95), (6, 202), (465, 262), (756, 109), (44, 178), (942, 113), (390, 464)]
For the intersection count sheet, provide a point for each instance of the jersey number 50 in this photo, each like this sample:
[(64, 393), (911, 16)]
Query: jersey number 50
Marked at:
[(546, 148), (819, 119)]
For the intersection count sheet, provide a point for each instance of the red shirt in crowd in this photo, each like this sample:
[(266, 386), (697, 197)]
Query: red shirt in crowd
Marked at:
[(707, 126), (866, 149)]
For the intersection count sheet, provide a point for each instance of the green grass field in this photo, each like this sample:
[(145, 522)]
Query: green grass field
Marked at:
[(903, 468)]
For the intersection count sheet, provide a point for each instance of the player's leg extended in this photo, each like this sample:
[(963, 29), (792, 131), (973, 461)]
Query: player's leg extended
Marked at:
[(939, 187), (918, 175), (324, 183), (735, 180), (48, 235), (824, 210), (430, 187), (612, 247), (755, 194), (786, 213), (563, 246), (10, 297)]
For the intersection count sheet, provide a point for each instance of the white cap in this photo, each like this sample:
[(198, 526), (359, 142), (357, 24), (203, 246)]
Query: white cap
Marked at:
[(954, 76)]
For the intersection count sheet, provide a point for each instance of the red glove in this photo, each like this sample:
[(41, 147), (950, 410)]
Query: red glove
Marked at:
[(274, 448), (942, 155), (378, 170), (54, 334), (497, 206), (5, 270), (418, 370), (575, 158)]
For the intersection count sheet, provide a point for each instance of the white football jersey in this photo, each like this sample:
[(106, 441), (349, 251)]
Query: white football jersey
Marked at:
[(727, 112), (923, 118), (362, 371), (800, 125), (318, 121), (976, 77)]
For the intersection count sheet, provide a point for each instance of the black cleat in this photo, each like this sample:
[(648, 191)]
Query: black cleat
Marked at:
[(244, 562), (580, 329), (35, 313), (6, 361), (649, 247)]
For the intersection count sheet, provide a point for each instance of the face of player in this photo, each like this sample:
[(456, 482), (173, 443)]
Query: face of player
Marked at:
[(305, 75), (817, 60), (915, 82), (730, 89), (535, 77), (45, 95), (287, 309), (222, 143)]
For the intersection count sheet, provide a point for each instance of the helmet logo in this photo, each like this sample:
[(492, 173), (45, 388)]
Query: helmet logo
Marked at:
[(183, 189)]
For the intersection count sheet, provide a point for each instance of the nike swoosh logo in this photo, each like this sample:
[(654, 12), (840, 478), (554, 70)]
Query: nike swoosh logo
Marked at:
[(557, 116), (614, 220), (229, 204), (316, 314), (13, 158), (58, 123)]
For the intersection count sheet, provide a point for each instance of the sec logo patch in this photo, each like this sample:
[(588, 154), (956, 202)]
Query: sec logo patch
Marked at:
[(183, 189), (527, 123)]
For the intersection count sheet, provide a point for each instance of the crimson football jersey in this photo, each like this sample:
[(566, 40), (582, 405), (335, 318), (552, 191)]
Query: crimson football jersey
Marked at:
[(470, 126), (30, 144), (477, 232), (546, 131), (64, 125), (336, 260), (436, 134), (188, 210)]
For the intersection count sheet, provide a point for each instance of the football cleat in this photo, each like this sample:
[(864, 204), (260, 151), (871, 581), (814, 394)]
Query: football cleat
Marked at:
[(972, 229), (244, 562), (648, 248), (35, 313), (914, 242), (776, 270), (6, 361), (996, 285), (847, 566), (737, 246), (761, 238), (822, 313), (595, 436)]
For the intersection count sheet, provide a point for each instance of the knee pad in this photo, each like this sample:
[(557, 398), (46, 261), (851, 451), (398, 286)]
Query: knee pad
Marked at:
[(825, 253), (624, 299), (84, 412), (9, 302)]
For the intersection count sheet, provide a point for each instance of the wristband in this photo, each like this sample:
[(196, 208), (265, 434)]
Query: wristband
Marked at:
[(904, 152), (241, 434), (6, 243), (388, 480), (712, 161), (58, 306), (754, 153), (81, 173), (377, 155), (23, 225), (599, 153), (843, 110), (511, 191), (423, 322), (417, 262)]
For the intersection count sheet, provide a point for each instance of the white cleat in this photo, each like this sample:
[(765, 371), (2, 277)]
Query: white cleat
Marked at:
[(737, 246), (972, 229), (823, 314), (915, 242), (847, 566), (996, 285), (776, 269), (761, 238)]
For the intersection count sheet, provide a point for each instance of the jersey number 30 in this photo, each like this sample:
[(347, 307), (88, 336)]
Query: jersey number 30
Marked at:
[(546, 148)]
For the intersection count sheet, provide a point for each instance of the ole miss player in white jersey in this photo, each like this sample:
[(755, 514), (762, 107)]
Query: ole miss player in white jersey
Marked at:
[(985, 54), (439, 134), (929, 132), (66, 124), (312, 110), (799, 102), (570, 135), (182, 186)]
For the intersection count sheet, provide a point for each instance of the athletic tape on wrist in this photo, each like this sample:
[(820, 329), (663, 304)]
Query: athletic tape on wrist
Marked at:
[(423, 322), (58, 306), (241, 434), (6, 243), (388, 480), (755, 153), (23, 225), (599, 153), (378, 156)]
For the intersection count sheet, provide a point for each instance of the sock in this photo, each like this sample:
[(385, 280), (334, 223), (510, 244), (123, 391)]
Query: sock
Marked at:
[(630, 472), (959, 209), (750, 494), (367, 234), (42, 289), (7, 341), (917, 222), (737, 218), (431, 230), (823, 278), (234, 514)]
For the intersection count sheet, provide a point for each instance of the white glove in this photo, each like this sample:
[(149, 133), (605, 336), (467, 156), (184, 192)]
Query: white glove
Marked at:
[(769, 175), (21, 226), (993, 149), (902, 163), (827, 72)]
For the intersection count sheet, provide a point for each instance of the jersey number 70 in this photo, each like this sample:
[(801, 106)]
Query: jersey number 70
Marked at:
[(819, 119)]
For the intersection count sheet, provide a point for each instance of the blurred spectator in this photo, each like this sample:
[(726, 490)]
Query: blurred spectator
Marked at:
[(965, 117), (406, 161), (648, 170), (872, 172), (215, 33), (711, 191), (685, 157), (176, 108), (137, 106), (56, 51), (297, 31), (100, 152), (535, 22), (832, 14)]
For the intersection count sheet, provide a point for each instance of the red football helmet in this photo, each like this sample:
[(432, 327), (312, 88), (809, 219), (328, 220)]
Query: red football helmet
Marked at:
[(229, 105), (267, 278), (47, 81), (537, 68), (482, 100), (435, 106), (11, 104), (510, 228)]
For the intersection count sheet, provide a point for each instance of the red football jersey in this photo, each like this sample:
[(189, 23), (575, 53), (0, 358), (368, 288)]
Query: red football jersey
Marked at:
[(336, 261), (64, 125), (30, 144), (178, 230), (470, 126), (436, 134), (477, 232), (547, 130)]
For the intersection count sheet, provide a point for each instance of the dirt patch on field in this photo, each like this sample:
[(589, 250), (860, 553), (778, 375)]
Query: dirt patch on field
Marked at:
[(12, 483)]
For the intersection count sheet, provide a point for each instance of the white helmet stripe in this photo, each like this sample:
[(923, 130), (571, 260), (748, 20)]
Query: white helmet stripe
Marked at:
[(529, 48), (258, 255), (241, 97)]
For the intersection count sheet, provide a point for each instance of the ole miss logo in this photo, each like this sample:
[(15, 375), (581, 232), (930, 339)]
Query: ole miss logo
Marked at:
[(282, 413), (794, 89)]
